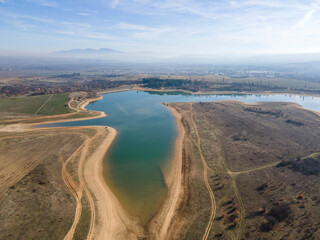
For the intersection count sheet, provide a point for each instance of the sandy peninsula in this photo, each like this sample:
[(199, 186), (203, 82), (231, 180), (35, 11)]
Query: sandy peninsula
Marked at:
[(112, 220), (108, 218), (160, 225)]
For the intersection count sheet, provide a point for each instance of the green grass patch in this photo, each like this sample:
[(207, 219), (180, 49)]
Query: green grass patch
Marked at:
[(31, 104), (26, 105), (56, 105), (314, 155)]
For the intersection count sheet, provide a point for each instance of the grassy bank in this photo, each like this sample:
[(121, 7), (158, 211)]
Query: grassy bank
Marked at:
[(41, 105)]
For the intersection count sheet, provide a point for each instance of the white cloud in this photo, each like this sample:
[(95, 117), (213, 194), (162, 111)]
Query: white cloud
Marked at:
[(130, 26), (84, 14), (114, 3)]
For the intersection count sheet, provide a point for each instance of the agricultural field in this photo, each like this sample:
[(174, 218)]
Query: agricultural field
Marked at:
[(50, 104), (46, 108), (251, 172)]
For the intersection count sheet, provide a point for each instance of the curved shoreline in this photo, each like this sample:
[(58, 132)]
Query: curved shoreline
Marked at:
[(113, 221), (225, 92), (160, 224), (117, 223)]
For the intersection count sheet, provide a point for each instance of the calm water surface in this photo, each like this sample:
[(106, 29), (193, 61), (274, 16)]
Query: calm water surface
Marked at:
[(146, 133)]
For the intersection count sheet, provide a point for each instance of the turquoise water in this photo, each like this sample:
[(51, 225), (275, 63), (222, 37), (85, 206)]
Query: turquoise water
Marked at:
[(146, 133)]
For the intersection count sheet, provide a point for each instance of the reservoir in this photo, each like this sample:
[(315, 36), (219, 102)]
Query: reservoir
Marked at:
[(133, 167)]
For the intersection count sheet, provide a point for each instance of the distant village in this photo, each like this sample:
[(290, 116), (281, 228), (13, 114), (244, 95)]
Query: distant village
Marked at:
[(73, 83)]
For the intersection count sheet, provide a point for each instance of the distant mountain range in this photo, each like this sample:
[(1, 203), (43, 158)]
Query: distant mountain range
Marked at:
[(108, 54), (113, 55)]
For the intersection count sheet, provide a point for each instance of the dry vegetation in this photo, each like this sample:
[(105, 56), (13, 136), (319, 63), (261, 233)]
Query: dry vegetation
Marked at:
[(257, 159), (44, 194), (34, 200)]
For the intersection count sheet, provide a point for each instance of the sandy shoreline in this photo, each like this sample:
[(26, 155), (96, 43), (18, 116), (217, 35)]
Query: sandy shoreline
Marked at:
[(226, 92), (160, 225), (110, 221), (115, 90), (113, 221), (82, 106)]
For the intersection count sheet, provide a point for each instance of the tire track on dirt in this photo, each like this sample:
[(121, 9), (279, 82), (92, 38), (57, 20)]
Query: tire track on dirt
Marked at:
[(44, 104), (71, 185), (255, 169), (205, 176), (233, 184), (83, 187)]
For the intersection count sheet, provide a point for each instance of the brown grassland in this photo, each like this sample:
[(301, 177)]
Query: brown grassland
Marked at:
[(34, 198), (251, 171), (43, 191)]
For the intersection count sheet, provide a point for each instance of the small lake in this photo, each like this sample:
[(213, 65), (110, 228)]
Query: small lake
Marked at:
[(145, 141)]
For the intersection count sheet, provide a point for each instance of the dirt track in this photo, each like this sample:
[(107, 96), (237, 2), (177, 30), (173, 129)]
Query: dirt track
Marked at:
[(108, 219), (205, 176)]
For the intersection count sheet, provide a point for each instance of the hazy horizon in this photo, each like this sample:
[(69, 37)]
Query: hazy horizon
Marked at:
[(161, 28)]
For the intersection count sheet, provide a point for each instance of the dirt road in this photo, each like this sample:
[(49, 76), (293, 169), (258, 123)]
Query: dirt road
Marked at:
[(205, 176)]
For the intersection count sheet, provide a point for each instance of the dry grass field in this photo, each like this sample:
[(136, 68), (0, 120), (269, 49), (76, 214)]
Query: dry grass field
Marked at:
[(251, 172), (43, 191), (34, 200)]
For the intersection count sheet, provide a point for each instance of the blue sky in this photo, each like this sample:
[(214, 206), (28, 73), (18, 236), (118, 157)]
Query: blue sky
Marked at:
[(167, 27)]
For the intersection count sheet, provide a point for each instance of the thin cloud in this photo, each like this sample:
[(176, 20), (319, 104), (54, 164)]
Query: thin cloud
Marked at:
[(86, 34), (129, 26), (308, 16), (44, 3)]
